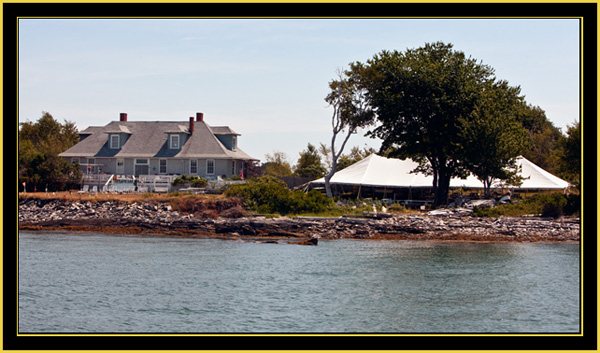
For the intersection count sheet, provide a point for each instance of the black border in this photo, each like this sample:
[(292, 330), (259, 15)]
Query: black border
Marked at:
[(299, 9), (587, 11)]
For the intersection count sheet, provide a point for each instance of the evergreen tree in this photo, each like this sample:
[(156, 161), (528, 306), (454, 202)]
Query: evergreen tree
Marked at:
[(309, 164)]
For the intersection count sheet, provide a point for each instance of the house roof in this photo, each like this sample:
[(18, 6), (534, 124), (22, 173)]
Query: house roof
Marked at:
[(119, 129), (148, 139), (223, 130)]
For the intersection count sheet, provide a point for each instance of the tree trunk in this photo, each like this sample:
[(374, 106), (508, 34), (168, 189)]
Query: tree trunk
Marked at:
[(443, 187), (435, 186), (334, 158), (328, 184), (486, 188)]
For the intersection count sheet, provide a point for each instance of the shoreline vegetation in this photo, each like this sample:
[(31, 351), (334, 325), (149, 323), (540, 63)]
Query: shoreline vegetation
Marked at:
[(222, 217)]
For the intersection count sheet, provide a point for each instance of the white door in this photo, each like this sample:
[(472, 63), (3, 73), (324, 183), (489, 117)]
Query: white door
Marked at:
[(140, 167)]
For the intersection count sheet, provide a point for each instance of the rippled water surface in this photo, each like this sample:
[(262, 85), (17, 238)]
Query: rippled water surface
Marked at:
[(90, 282)]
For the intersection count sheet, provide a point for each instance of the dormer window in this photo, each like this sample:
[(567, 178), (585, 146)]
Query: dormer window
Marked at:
[(234, 143), (174, 142), (115, 141)]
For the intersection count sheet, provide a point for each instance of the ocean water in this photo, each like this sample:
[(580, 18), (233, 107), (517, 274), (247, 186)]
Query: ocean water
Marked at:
[(99, 283)]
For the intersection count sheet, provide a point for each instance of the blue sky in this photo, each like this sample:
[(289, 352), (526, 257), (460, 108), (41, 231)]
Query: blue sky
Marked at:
[(266, 78)]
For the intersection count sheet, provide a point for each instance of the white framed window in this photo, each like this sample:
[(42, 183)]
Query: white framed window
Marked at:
[(174, 142), (141, 161), (193, 166), (115, 141), (162, 166), (120, 166), (232, 167), (210, 166), (234, 147)]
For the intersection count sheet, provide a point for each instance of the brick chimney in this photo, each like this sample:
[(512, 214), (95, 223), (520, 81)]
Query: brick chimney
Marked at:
[(191, 124), (123, 117), (199, 116)]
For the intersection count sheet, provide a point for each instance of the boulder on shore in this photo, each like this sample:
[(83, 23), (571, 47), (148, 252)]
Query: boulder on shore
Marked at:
[(311, 241)]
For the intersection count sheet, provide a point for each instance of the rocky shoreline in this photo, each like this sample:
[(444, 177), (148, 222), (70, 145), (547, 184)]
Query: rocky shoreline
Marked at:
[(161, 219)]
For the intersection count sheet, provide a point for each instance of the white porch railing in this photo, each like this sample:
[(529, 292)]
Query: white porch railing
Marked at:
[(155, 183), (142, 183)]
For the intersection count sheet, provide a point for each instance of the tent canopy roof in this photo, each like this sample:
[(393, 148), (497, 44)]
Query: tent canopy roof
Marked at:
[(395, 173)]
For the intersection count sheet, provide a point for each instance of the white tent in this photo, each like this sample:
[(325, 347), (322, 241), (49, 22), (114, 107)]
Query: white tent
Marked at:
[(379, 171), (537, 178)]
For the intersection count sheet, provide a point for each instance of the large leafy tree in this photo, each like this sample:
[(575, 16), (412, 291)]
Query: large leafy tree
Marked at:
[(492, 137), (419, 98), (448, 112), (545, 139), (39, 144), (570, 155)]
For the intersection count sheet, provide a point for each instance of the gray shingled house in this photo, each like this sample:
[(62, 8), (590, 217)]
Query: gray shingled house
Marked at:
[(142, 148)]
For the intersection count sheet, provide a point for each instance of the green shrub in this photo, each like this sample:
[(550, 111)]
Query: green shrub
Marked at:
[(573, 206), (494, 211), (178, 181), (313, 202), (553, 205), (270, 195), (264, 195), (546, 205), (199, 182), (194, 181), (397, 208)]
